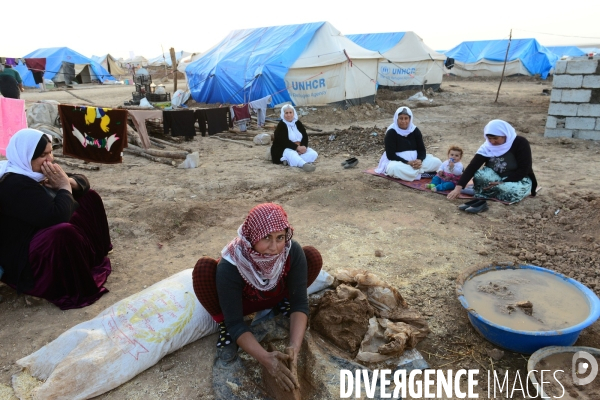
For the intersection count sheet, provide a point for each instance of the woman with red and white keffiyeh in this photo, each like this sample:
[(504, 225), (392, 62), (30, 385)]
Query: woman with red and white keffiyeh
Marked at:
[(262, 268)]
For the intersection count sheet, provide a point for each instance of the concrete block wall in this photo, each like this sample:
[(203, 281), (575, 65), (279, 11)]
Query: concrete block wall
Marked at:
[(574, 110)]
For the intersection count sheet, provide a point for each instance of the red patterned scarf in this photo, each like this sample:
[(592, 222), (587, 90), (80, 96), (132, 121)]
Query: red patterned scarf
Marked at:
[(261, 271)]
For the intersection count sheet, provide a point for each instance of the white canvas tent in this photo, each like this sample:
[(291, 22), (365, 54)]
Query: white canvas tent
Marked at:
[(137, 61), (308, 64), (409, 63), (111, 64)]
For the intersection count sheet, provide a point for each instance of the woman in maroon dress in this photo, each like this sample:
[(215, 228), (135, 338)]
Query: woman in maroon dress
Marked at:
[(54, 234)]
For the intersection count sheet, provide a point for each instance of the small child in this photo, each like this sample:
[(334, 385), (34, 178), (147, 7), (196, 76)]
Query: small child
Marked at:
[(449, 172)]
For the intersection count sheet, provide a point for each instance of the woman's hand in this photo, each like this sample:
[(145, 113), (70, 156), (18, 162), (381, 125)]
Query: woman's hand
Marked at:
[(56, 178), (491, 185), (276, 363), (301, 149), (454, 193), (292, 352), (416, 164)]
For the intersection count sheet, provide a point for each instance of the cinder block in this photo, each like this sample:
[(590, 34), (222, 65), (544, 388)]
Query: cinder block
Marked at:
[(591, 81), (581, 66), (598, 124), (567, 81), (576, 96), (588, 110), (555, 95), (552, 133), (580, 123), (562, 109), (588, 135), (551, 122), (560, 68)]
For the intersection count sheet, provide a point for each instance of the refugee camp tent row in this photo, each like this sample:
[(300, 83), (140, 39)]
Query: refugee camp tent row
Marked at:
[(307, 64), (64, 65), (486, 58), (165, 59), (110, 64), (408, 62)]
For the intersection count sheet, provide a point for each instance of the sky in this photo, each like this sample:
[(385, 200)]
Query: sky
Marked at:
[(111, 26)]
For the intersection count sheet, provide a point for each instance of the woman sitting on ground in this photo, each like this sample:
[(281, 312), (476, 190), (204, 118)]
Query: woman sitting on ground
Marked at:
[(290, 143), (262, 268), (507, 174), (405, 156), (54, 234)]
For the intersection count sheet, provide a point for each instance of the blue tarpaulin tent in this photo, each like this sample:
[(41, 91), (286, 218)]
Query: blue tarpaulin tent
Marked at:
[(409, 63), (569, 51), (55, 70), (307, 64), (486, 58)]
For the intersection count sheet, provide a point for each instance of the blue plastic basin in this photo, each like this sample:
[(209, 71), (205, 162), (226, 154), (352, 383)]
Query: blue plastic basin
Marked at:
[(527, 342)]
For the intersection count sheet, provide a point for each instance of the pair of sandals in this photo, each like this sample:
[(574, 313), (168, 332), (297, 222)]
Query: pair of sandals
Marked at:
[(350, 163), (474, 206)]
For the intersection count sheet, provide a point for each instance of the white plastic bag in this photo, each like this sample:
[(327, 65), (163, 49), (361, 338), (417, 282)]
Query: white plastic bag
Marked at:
[(262, 138), (145, 103), (122, 341), (418, 97), (191, 161), (179, 98)]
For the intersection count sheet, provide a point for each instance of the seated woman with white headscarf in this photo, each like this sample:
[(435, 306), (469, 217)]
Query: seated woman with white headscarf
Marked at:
[(507, 172), (405, 156), (290, 143), (54, 234)]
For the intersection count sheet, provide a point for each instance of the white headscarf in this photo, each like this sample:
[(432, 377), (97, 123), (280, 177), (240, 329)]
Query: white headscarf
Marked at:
[(19, 151), (293, 133), (394, 125), (497, 127)]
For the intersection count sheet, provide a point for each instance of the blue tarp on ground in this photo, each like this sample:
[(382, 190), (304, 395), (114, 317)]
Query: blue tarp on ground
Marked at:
[(380, 42), (54, 58), (535, 58), (249, 64), (570, 51)]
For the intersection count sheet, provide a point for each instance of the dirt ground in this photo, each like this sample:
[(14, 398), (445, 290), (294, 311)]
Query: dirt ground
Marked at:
[(162, 219)]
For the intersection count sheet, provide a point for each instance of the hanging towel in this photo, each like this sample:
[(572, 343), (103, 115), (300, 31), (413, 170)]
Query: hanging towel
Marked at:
[(12, 120), (180, 123), (260, 108), (94, 134), (139, 117), (36, 64)]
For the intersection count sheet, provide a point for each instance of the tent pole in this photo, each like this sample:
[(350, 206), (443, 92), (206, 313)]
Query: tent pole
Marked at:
[(174, 65), (504, 67)]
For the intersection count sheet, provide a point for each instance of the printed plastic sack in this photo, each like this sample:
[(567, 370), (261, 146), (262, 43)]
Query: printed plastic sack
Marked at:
[(386, 339), (122, 341)]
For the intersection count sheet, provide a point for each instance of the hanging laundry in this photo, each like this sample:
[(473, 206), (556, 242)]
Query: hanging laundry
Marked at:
[(139, 117), (12, 120), (94, 134), (37, 66), (241, 115), (260, 108), (217, 119), (180, 123)]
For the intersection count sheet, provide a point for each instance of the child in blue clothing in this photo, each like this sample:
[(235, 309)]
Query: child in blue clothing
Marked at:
[(449, 172)]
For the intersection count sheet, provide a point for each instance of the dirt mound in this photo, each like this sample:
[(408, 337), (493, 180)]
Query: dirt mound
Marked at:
[(562, 235)]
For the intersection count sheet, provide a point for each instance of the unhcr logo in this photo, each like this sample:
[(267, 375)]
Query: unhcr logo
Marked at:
[(385, 70), (309, 85)]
